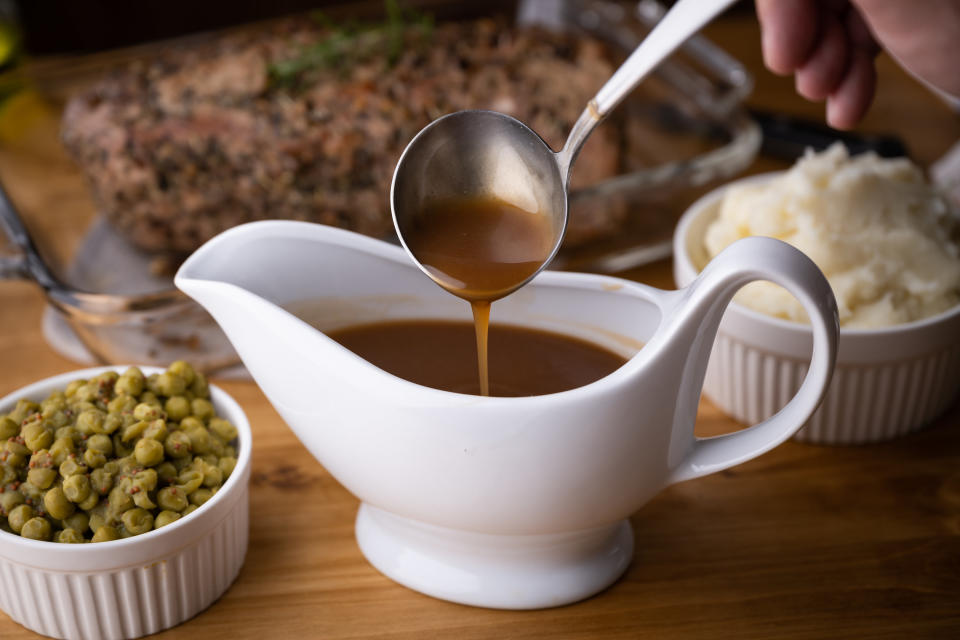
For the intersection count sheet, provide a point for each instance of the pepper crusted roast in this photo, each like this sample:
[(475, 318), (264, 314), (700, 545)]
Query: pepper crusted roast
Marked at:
[(306, 123)]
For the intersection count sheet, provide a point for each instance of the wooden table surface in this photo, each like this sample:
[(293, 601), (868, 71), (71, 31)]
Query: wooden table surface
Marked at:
[(804, 542)]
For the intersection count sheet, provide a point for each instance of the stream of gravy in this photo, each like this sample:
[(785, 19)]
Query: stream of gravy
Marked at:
[(480, 249)]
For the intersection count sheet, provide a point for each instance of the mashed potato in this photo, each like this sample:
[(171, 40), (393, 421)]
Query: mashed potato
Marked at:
[(884, 238)]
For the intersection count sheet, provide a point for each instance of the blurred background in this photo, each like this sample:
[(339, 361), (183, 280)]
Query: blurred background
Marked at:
[(110, 153)]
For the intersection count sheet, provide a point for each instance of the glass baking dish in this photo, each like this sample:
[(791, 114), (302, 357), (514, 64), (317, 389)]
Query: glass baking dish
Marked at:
[(687, 131)]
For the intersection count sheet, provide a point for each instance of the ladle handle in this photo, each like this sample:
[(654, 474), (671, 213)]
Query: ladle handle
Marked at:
[(682, 21), (693, 323)]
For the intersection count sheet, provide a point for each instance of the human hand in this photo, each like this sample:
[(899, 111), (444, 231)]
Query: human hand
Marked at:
[(830, 46)]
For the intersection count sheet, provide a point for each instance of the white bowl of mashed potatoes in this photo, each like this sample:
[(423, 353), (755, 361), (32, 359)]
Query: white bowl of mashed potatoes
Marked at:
[(889, 245)]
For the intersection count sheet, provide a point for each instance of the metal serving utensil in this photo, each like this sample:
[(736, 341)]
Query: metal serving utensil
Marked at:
[(479, 153), (150, 328), (29, 265)]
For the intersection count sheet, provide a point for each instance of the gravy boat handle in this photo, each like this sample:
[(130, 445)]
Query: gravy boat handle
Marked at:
[(693, 322)]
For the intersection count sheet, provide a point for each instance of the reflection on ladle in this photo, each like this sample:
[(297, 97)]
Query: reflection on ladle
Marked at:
[(472, 157)]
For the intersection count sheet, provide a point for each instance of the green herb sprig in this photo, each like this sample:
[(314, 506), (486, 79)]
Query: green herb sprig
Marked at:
[(352, 42)]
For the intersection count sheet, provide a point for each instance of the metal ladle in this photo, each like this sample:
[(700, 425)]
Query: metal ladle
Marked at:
[(488, 154)]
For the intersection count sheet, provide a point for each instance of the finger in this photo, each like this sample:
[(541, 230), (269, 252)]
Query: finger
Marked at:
[(859, 33), (821, 74), (852, 97), (788, 32)]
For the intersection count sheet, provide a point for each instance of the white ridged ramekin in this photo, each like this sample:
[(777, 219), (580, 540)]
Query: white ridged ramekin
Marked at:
[(887, 382), (135, 586)]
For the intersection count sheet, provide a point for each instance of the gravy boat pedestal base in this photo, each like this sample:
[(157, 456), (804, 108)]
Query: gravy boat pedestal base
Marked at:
[(512, 503), (496, 571)]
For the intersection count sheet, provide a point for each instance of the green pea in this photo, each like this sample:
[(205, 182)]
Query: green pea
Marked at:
[(31, 492), (131, 385), (111, 423), (105, 381), (145, 479), (69, 536), (56, 420), (142, 499), (200, 388), (97, 520), (8, 428), (76, 488), (212, 476), (156, 430), (94, 459), (177, 408), (167, 472), (177, 445), (24, 409), (172, 499), (199, 439), (134, 431), (190, 510), (69, 432), (8, 474), (183, 369), (36, 436), (18, 516), (148, 452), (223, 429), (36, 529), (90, 422), (121, 447), (60, 449), (56, 401), (190, 480), (9, 500), (42, 477), (78, 521), (119, 500), (57, 504), (129, 464), (182, 464), (16, 453), (101, 443), (105, 533), (200, 496), (121, 403), (217, 450), (202, 409), (72, 387), (147, 412), (101, 481), (137, 521), (170, 384), (70, 467), (89, 502), (164, 518)]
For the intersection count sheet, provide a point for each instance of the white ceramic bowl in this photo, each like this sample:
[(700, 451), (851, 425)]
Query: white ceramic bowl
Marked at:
[(135, 586), (887, 382)]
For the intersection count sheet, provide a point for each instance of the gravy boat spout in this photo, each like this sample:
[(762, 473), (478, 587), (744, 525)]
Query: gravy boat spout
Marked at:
[(498, 502)]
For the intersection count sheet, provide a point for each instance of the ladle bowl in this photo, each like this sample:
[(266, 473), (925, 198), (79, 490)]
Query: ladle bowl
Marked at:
[(483, 154), (487, 154)]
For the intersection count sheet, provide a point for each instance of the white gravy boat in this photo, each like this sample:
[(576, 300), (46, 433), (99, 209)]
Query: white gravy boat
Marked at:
[(499, 502)]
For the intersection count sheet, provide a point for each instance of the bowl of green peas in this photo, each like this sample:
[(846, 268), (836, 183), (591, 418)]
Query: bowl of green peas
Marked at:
[(124, 500)]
